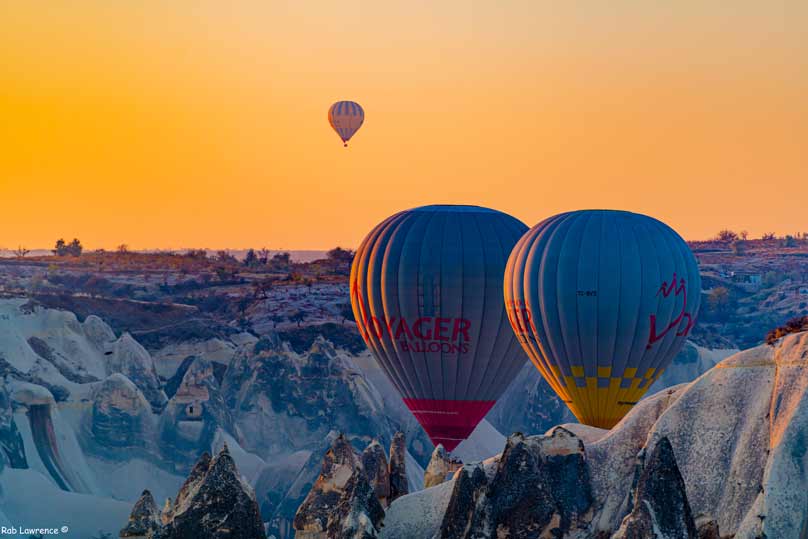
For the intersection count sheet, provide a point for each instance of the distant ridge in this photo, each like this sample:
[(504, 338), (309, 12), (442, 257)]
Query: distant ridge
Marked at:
[(297, 255)]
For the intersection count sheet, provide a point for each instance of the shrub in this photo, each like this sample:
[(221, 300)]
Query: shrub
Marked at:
[(795, 325), (726, 235)]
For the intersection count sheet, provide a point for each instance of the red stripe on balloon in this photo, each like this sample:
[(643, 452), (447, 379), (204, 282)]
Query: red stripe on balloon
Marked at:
[(448, 422)]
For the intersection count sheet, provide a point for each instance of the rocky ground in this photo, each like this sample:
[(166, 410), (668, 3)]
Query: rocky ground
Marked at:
[(94, 410), (722, 456)]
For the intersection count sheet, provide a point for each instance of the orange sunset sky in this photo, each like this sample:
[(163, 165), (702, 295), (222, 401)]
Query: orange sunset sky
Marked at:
[(202, 123)]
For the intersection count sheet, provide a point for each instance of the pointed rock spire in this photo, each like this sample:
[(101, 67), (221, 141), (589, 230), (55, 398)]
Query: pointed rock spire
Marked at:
[(399, 485), (374, 462), (217, 505), (341, 504), (440, 466), (144, 520), (661, 510)]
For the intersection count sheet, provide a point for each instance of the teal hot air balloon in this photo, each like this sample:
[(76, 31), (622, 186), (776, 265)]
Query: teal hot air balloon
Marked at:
[(601, 301), (426, 290)]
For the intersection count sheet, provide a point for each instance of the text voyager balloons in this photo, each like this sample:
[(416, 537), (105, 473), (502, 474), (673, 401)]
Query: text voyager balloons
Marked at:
[(601, 301), (346, 117), (426, 290)]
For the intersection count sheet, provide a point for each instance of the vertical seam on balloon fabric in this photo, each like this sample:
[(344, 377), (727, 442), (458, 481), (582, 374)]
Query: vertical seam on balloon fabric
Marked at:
[(402, 228), (473, 366), (433, 394)]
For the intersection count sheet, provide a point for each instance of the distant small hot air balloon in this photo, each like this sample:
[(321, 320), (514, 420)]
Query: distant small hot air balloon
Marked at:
[(601, 301), (426, 291), (346, 117)]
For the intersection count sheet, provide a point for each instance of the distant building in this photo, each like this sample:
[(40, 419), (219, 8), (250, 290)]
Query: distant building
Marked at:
[(751, 281)]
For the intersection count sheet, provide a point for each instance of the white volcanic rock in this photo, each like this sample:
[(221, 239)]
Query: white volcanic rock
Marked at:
[(191, 419), (50, 344), (98, 331), (28, 496), (28, 394), (418, 514), (121, 415), (738, 433), (133, 361), (170, 357), (691, 362)]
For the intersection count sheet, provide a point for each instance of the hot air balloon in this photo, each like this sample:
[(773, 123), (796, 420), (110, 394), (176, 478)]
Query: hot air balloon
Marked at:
[(601, 301), (346, 117), (426, 291)]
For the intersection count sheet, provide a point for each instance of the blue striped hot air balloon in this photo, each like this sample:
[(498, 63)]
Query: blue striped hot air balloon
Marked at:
[(426, 290), (601, 301), (346, 117)]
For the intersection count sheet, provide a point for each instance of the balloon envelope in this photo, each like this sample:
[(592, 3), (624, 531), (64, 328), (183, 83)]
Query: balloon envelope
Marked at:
[(601, 301), (346, 117), (426, 290)]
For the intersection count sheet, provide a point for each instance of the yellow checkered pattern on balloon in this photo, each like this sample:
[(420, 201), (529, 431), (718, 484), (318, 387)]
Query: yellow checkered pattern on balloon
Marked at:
[(604, 399)]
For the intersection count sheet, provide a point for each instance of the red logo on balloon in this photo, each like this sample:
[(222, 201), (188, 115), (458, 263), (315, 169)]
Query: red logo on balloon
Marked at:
[(676, 287), (423, 334)]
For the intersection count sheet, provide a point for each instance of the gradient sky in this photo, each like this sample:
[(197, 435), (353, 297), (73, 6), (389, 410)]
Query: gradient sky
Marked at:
[(203, 123)]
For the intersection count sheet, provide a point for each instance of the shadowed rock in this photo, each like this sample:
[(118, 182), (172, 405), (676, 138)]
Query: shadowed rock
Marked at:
[(399, 486), (218, 505), (145, 519), (538, 488), (341, 503), (377, 471), (12, 451), (660, 508), (707, 528), (468, 488), (191, 483)]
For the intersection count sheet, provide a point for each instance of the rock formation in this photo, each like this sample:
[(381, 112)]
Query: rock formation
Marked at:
[(738, 436), (144, 522), (282, 399), (539, 485), (399, 485), (129, 358), (341, 504), (12, 452), (197, 409), (121, 415), (660, 508), (374, 463), (440, 466), (215, 503)]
